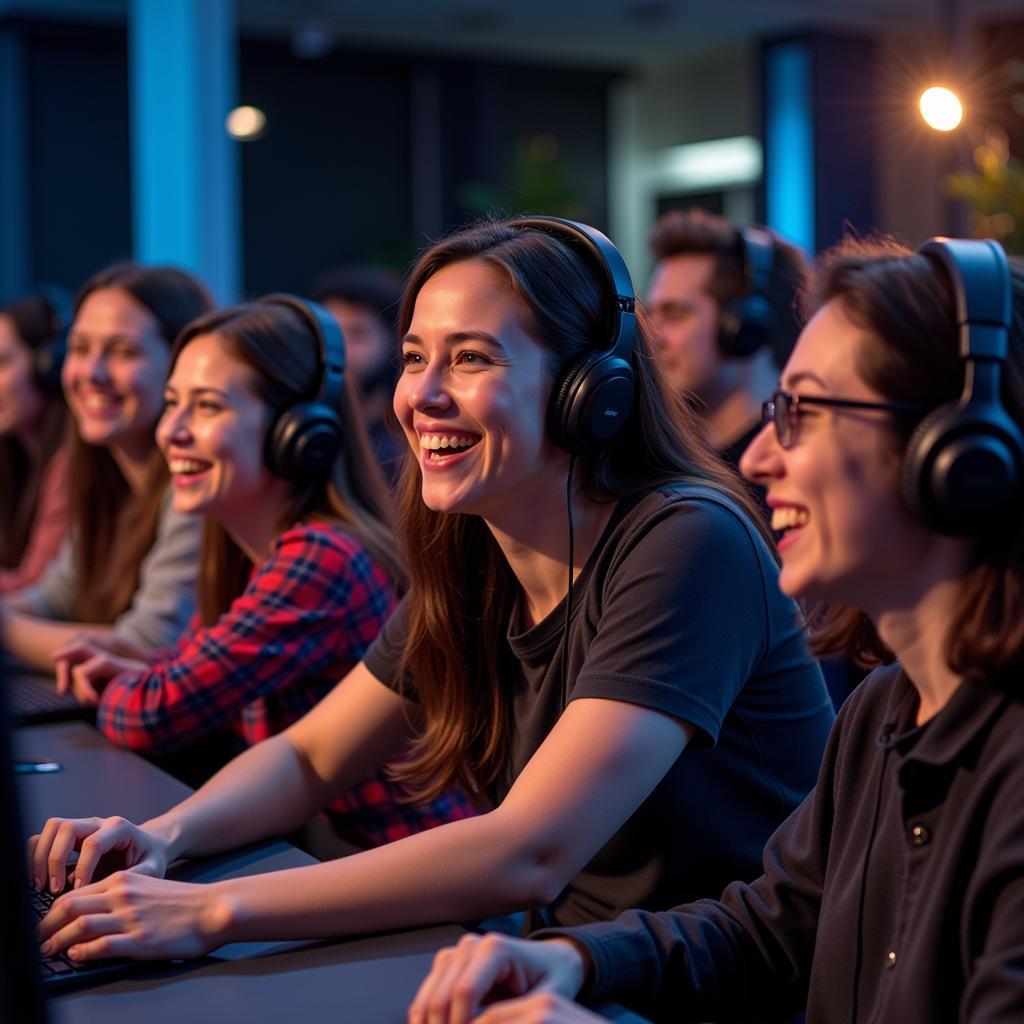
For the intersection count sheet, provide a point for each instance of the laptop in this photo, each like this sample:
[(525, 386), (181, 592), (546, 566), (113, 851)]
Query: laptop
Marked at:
[(24, 972), (33, 700)]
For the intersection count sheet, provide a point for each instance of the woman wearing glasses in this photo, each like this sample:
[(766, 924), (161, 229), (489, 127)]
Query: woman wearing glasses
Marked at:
[(896, 891)]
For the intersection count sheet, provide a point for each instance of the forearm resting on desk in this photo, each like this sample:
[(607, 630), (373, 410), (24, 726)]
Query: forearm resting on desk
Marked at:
[(266, 791), (456, 872), (33, 640)]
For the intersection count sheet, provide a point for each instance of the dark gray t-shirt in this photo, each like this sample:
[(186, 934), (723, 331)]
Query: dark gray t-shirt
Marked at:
[(678, 609)]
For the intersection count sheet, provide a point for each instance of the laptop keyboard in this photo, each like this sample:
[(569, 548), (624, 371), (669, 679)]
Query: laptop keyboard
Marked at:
[(56, 965), (59, 971), (30, 700)]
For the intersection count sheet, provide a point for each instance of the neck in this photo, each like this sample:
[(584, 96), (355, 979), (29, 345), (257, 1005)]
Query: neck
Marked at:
[(735, 408), (916, 623), (535, 542), (256, 528)]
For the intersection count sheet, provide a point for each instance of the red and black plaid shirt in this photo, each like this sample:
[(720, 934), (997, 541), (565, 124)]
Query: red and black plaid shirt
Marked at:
[(307, 616)]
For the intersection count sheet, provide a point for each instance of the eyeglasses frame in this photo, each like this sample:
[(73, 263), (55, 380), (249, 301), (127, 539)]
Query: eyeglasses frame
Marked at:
[(794, 400)]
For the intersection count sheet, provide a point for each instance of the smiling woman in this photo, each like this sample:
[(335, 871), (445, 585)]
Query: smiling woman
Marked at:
[(298, 570), (561, 683), (126, 577), (896, 891)]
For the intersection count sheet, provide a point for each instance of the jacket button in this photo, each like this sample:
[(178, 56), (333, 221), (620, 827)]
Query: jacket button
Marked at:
[(919, 835), (890, 960)]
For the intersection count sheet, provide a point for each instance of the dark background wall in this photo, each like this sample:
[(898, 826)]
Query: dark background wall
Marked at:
[(77, 150), (331, 180)]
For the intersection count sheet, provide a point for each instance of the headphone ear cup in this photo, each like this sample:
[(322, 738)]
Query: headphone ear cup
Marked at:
[(591, 402), (962, 467), (744, 325), (303, 442), (558, 409)]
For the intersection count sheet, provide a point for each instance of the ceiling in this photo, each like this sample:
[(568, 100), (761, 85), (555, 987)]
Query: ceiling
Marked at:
[(609, 33)]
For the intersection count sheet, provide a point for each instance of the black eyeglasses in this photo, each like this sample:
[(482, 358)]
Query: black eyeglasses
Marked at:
[(783, 410)]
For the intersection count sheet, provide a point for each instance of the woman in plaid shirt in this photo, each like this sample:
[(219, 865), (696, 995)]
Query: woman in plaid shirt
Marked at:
[(298, 571)]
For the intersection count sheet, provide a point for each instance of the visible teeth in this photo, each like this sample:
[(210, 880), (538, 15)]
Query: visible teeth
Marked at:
[(185, 467), (788, 518), (434, 442), (99, 402)]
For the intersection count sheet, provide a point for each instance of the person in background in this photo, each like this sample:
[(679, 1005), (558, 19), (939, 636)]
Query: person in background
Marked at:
[(722, 301), (364, 299), (894, 464), (298, 568), (126, 573), (629, 698), (33, 452)]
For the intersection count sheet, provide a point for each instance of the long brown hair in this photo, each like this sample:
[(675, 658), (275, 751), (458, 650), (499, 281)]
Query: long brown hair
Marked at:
[(113, 529), (904, 303), (462, 588), (275, 342), (36, 323)]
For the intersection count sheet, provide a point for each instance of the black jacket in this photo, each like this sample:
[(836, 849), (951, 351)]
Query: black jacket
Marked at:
[(895, 892)]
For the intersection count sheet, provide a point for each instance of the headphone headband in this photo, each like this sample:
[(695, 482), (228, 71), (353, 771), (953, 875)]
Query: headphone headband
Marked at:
[(747, 322), (759, 257), (330, 345), (593, 396), (306, 437), (980, 274), (617, 280), (964, 464)]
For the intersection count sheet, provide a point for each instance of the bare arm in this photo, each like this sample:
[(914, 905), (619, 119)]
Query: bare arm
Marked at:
[(269, 790), (34, 640), (598, 765)]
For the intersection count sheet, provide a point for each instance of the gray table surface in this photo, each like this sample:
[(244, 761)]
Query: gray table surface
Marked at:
[(365, 980)]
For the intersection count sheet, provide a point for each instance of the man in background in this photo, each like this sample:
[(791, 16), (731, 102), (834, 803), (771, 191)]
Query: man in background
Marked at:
[(722, 301), (364, 300)]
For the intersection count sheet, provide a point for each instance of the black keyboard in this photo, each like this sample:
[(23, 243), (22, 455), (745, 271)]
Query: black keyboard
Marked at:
[(30, 700), (59, 971)]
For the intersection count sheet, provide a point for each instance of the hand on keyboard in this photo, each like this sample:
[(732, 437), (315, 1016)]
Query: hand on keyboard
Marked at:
[(103, 845), (133, 915)]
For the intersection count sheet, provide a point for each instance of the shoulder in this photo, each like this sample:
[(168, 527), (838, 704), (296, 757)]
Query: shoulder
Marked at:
[(694, 501), (326, 552), (177, 541), (1004, 745), (320, 540), (875, 701), (691, 520), (171, 522)]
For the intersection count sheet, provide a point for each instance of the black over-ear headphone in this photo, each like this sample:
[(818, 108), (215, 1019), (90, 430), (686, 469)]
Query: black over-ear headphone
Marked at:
[(593, 395), (747, 322), (964, 464), (306, 437)]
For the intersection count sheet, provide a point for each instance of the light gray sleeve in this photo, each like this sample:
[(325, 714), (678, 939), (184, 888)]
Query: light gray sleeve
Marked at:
[(166, 597), (53, 595)]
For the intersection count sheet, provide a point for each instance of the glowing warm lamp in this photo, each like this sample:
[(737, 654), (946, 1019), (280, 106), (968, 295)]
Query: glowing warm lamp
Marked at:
[(246, 123), (941, 108)]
